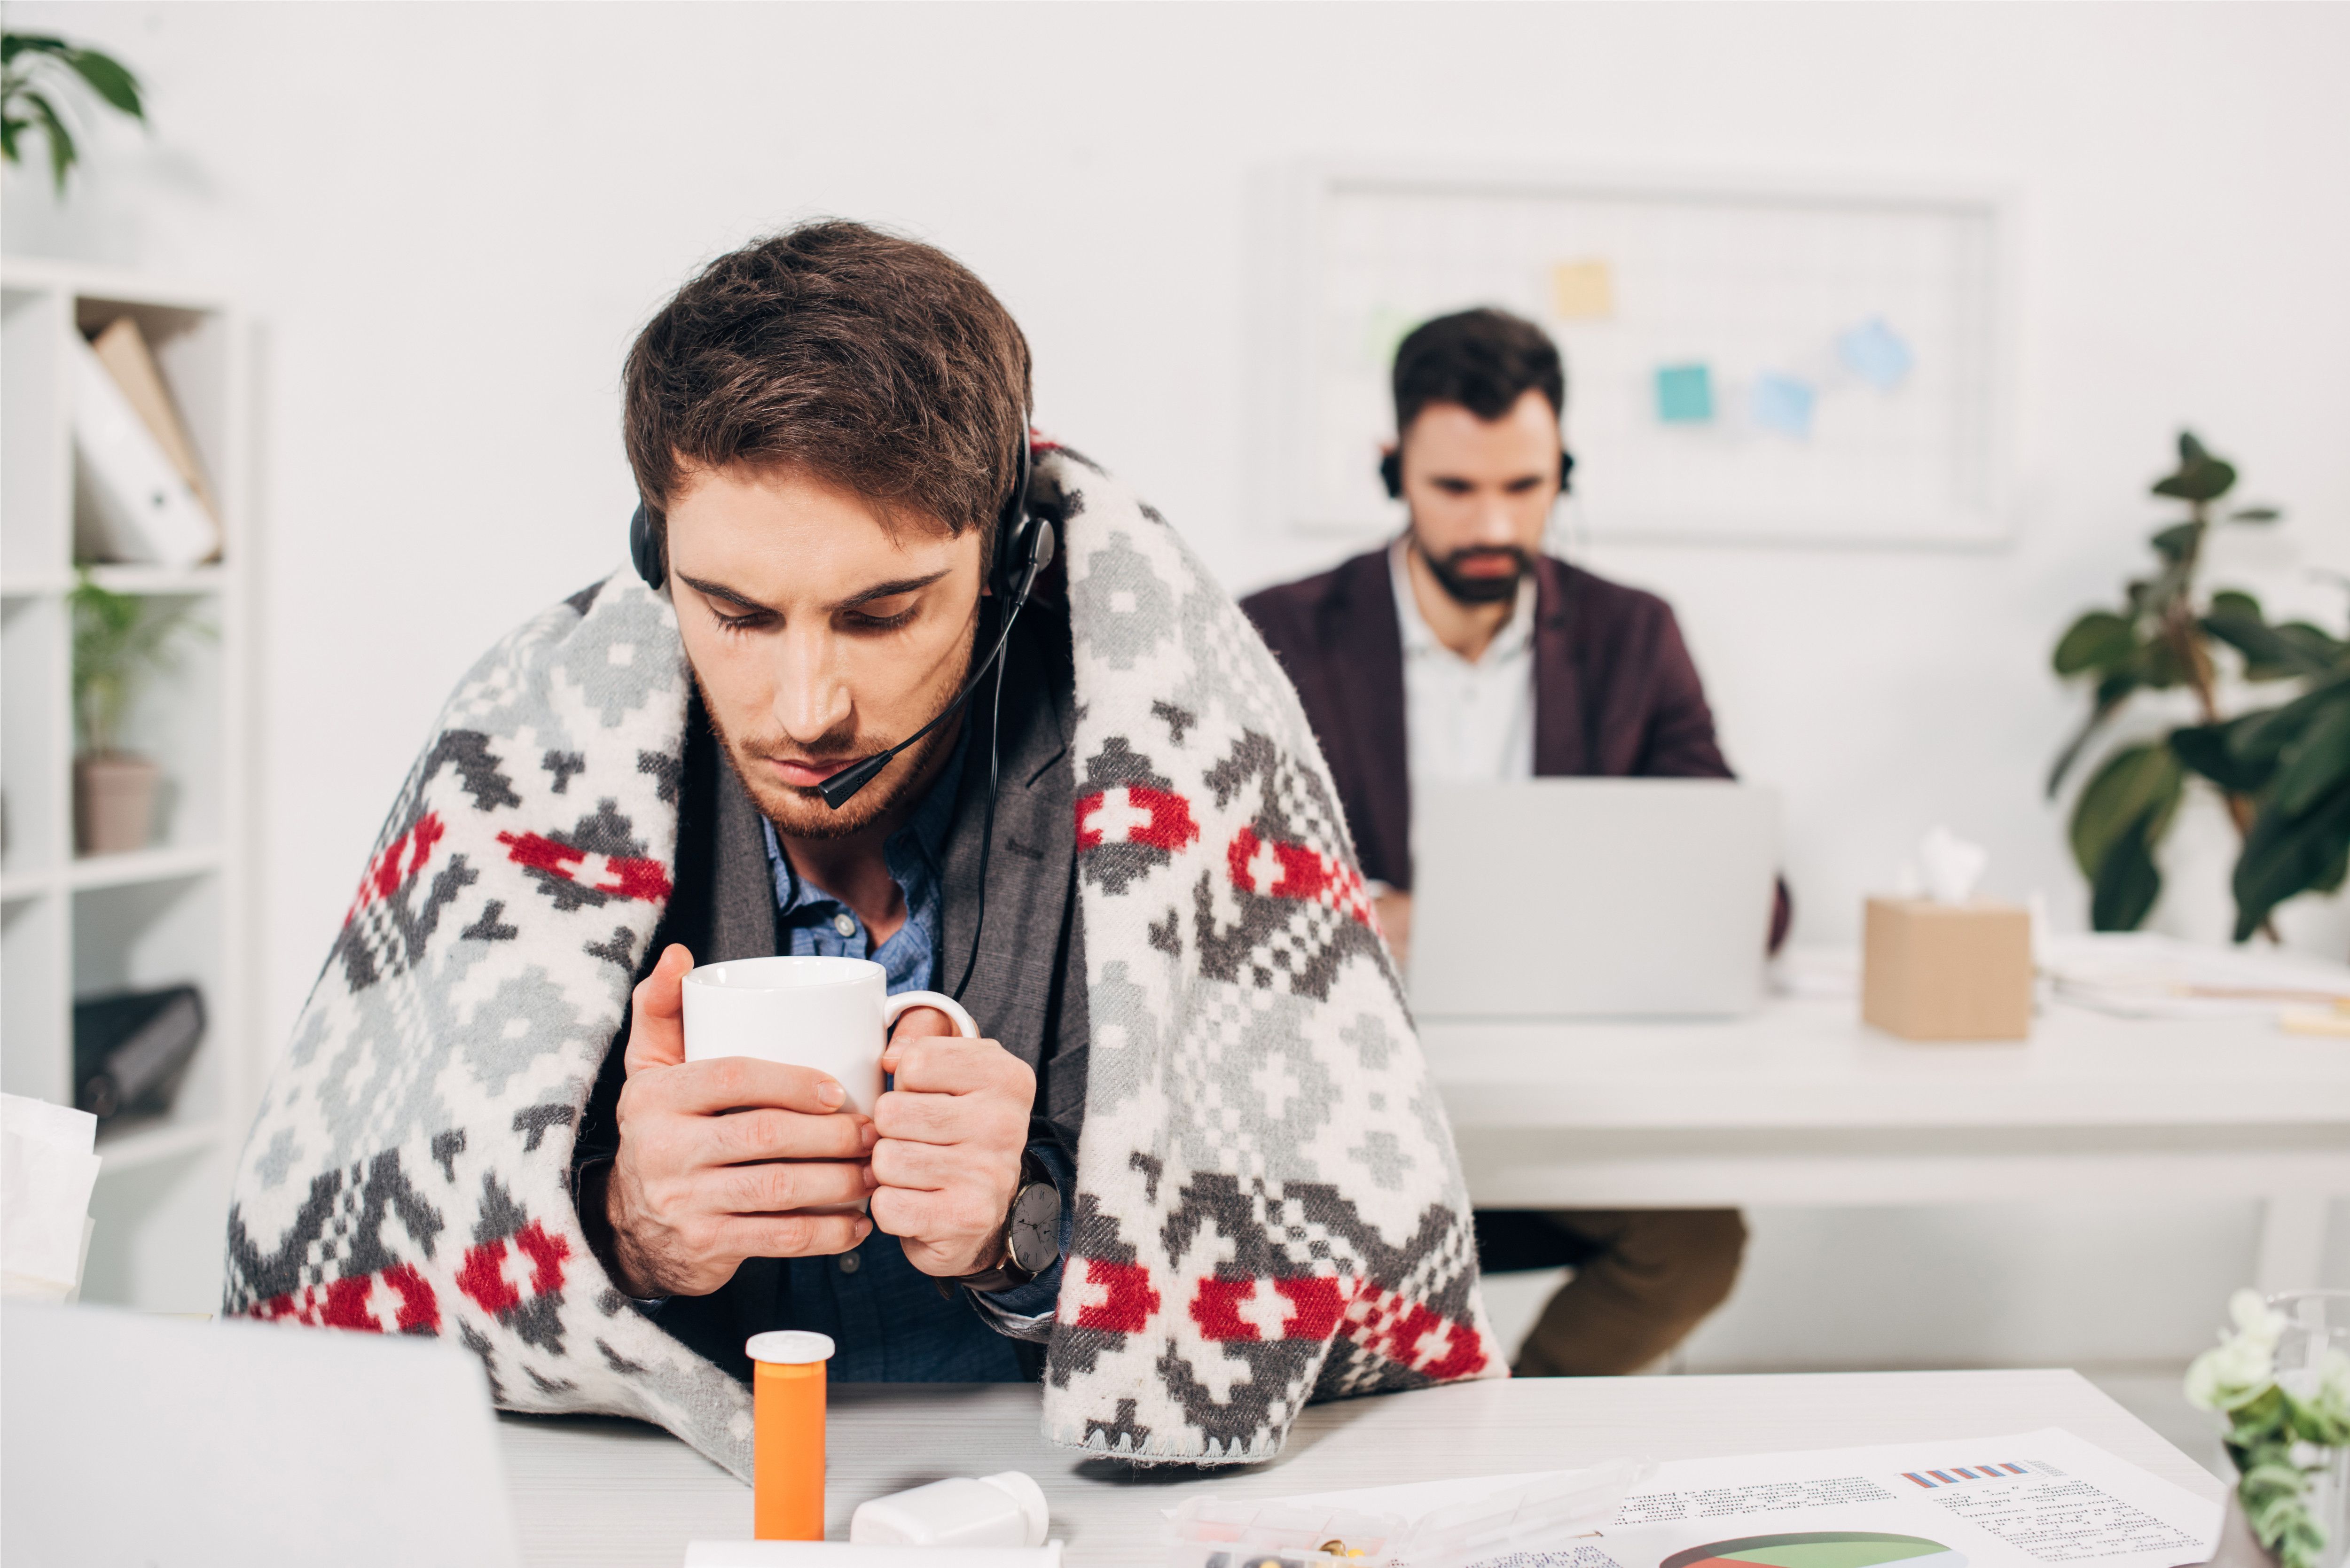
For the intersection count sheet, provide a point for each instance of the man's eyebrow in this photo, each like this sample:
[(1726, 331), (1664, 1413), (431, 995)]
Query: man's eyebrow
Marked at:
[(863, 595), (720, 591), (887, 589)]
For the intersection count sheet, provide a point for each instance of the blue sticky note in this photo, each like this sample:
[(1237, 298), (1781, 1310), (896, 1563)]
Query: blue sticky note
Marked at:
[(1684, 394), (1876, 353), (1783, 403)]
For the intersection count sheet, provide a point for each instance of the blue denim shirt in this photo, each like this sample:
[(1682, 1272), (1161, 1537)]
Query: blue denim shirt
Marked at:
[(887, 1320)]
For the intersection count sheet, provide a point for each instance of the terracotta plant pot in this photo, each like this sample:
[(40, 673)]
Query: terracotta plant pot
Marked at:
[(114, 802)]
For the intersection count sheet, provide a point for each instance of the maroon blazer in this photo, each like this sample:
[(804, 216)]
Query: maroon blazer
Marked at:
[(1616, 694)]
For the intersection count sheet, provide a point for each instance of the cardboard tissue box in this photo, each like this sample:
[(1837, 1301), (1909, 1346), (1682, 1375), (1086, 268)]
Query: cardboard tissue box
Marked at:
[(1947, 966)]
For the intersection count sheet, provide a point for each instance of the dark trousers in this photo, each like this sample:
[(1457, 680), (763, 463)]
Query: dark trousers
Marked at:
[(1643, 1278)]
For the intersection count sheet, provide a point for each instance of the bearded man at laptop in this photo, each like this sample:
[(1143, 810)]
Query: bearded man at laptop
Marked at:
[(1460, 653)]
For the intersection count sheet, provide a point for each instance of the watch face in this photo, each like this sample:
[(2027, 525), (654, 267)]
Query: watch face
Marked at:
[(1036, 1231)]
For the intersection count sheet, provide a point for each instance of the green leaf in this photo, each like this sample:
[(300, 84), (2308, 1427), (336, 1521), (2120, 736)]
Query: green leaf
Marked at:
[(62, 144), (15, 44), (2254, 515), (2267, 649), (2203, 749), (2191, 451), (2178, 542), (107, 79), (2099, 640), (2283, 857), (2333, 652), (9, 126), (2136, 783), (2112, 692), (2204, 479), (2127, 883), (2319, 766), (2237, 603)]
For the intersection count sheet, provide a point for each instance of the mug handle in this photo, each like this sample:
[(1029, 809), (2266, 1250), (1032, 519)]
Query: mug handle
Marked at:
[(905, 1001)]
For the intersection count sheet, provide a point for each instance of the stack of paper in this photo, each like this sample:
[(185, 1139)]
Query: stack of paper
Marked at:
[(49, 1163), (2137, 974), (2023, 1501)]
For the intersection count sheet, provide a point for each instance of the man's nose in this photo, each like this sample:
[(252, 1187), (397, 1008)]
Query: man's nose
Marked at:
[(1495, 522), (812, 698)]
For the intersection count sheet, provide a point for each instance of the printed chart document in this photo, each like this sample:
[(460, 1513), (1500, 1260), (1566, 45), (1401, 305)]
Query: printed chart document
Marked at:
[(2031, 1501), (2009, 1502)]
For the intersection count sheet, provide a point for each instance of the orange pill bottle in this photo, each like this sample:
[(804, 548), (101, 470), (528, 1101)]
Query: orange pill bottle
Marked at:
[(787, 1434)]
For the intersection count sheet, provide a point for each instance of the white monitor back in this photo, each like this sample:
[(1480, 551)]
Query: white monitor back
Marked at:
[(1592, 897), (133, 1440)]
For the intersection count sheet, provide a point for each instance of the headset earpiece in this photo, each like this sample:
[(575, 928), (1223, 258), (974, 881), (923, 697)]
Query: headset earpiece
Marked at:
[(1023, 542), (646, 551), (1566, 471)]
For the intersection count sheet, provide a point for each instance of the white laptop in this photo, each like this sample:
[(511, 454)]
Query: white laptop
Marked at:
[(132, 1440), (1592, 897)]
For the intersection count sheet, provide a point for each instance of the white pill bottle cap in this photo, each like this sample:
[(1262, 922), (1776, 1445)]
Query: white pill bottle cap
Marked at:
[(790, 1347), (998, 1511)]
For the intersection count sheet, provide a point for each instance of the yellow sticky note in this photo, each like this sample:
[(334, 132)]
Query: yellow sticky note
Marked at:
[(1580, 291)]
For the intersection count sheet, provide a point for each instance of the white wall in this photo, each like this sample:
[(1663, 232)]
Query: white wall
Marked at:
[(449, 222)]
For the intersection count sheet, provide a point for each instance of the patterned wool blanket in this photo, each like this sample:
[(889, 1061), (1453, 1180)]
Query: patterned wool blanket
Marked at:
[(1269, 1208)]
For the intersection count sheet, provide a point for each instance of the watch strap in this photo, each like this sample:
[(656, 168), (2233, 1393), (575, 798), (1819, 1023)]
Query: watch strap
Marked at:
[(1008, 1275)]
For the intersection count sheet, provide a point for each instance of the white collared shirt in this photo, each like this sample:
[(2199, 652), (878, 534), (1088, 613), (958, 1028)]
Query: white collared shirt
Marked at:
[(1464, 721)]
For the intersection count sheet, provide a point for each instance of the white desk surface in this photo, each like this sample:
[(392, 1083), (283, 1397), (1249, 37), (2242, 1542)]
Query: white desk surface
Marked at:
[(590, 1490), (1812, 1063), (1802, 1105)]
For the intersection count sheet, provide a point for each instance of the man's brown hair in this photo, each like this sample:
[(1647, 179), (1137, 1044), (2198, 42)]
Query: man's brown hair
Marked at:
[(878, 363)]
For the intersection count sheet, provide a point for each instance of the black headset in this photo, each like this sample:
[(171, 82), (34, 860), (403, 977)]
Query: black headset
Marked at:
[(1392, 472), (1025, 542)]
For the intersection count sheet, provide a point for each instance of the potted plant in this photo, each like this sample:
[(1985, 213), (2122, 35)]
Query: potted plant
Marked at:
[(2165, 638), (2281, 1382), (120, 641)]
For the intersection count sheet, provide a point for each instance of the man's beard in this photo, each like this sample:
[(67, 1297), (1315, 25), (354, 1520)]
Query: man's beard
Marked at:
[(1466, 589), (801, 811)]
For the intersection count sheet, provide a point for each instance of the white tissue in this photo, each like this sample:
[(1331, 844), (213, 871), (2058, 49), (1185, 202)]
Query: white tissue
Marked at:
[(49, 1163), (1948, 866)]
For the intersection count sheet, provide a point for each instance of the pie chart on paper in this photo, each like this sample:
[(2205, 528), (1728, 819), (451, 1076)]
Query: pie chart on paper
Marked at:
[(1820, 1549)]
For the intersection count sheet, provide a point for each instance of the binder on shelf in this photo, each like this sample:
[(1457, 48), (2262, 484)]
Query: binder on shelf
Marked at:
[(122, 350), (135, 504), (131, 1049)]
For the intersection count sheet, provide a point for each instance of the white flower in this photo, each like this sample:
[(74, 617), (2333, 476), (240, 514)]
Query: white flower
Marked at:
[(2255, 1318), (2334, 1376), (2243, 1365)]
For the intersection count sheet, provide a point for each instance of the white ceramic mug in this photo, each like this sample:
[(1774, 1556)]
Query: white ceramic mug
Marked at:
[(830, 1013)]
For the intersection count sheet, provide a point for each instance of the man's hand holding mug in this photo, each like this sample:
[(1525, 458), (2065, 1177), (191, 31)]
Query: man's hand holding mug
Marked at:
[(753, 1122)]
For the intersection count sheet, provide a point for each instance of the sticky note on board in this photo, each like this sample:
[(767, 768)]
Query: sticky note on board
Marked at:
[(1582, 291), (1781, 404), (1684, 394), (1876, 353)]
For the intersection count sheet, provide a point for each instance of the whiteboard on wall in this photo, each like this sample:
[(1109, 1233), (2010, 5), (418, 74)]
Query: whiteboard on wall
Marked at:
[(1745, 363)]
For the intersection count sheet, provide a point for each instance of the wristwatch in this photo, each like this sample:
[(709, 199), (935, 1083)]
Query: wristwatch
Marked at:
[(1032, 1232)]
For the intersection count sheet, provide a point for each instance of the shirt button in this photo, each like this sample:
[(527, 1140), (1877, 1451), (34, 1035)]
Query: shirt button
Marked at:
[(849, 1264), (846, 924)]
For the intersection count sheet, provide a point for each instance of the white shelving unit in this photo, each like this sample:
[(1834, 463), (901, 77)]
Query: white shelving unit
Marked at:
[(73, 926)]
